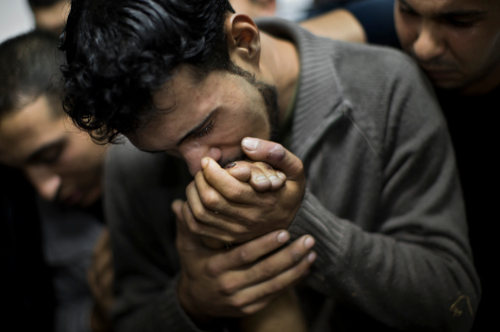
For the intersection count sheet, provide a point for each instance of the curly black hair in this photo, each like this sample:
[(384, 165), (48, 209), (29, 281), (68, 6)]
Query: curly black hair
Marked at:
[(119, 52)]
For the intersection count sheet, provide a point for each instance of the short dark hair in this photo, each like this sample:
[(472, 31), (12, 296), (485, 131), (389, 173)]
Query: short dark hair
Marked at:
[(118, 53), (29, 68), (43, 3)]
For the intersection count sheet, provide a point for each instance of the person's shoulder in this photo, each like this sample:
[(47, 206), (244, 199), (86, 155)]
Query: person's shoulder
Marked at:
[(373, 59)]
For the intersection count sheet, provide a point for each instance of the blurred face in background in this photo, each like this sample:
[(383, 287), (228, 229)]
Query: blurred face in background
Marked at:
[(456, 42), (61, 162), (52, 17), (254, 8)]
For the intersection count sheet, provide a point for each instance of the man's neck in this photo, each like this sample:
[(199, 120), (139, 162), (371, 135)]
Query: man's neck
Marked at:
[(487, 83), (280, 60)]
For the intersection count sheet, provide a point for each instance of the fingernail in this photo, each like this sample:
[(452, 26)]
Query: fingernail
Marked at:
[(250, 144), (231, 165), (311, 257), (283, 237), (260, 178), (274, 179), (281, 175), (204, 163), (309, 242)]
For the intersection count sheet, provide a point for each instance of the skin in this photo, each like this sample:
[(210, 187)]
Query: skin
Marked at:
[(100, 279), (254, 8), (65, 166), (338, 24), (61, 162), (209, 124), (456, 42), (53, 17)]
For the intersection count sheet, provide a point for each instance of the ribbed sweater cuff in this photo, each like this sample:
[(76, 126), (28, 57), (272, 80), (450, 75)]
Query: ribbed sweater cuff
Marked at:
[(328, 231), (173, 317)]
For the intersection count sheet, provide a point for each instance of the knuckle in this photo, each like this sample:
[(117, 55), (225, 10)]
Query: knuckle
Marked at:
[(244, 256), (239, 301), (266, 272), (198, 212), (277, 152), (250, 310), (193, 227), (275, 287), (211, 269), (226, 288), (234, 191), (209, 198)]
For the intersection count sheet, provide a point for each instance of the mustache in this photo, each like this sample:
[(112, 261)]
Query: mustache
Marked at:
[(224, 162), (434, 63)]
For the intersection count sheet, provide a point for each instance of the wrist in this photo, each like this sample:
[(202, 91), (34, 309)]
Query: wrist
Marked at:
[(188, 304), (99, 321)]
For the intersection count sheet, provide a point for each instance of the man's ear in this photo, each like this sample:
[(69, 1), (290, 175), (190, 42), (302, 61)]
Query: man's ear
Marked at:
[(243, 40)]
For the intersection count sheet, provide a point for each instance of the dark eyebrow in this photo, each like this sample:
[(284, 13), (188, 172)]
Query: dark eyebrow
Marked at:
[(197, 128), (471, 13), (41, 150), (406, 4), (453, 13)]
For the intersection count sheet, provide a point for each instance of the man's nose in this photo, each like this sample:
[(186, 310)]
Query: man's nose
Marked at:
[(194, 155), (45, 182), (429, 45)]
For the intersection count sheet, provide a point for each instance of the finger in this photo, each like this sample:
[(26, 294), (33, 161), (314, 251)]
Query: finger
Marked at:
[(275, 264), (239, 170), (276, 178), (177, 208), (204, 230), (209, 208), (229, 187), (274, 154), (255, 176), (276, 285), (185, 240), (249, 252), (102, 262), (103, 242)]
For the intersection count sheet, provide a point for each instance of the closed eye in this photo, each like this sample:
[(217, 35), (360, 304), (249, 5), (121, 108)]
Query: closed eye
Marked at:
[(206, 130), (459, 23)]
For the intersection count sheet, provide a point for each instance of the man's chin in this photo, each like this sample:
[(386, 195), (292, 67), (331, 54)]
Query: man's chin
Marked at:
[(89, 198)]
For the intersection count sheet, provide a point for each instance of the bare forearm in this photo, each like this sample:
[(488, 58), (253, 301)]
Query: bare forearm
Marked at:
[(338, 24)]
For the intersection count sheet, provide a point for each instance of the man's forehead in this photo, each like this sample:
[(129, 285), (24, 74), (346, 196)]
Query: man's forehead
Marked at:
[(24, 131)]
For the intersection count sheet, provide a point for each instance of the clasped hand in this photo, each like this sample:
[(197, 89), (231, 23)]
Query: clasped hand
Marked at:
[(246, 200), (232, 205)]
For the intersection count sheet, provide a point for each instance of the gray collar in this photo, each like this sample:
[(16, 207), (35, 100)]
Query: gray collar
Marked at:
[(319, 94)]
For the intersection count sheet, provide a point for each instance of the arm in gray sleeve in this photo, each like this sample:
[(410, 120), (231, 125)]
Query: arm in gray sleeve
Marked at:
[(396, 245), (137, 206), (74, 317)]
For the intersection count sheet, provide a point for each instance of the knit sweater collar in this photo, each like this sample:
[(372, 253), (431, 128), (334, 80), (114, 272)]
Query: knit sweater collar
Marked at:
[(318, 93)]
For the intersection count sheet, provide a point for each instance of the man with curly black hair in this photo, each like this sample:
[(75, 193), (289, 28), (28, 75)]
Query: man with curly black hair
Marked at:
[(367, 165)]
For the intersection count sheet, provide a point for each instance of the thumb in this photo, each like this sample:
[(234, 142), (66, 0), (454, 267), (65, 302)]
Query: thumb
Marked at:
[(275, 155)]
